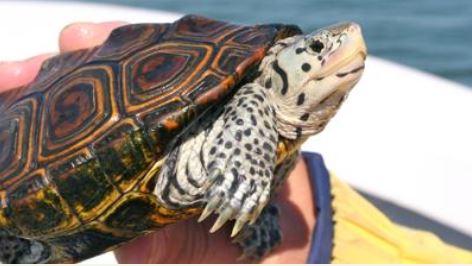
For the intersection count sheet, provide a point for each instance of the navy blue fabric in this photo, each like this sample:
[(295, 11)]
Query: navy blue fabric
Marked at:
[(322, 244)]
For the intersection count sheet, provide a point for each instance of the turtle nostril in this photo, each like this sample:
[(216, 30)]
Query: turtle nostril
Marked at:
[(317, 46)]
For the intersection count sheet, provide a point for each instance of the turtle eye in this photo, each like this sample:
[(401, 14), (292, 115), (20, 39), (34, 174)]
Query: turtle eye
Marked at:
[(317, 46)]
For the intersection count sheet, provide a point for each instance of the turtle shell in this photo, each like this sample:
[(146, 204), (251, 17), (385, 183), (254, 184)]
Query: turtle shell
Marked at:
[(78, 143)]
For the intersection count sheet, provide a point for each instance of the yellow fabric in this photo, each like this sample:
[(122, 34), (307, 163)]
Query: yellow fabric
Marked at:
[(362, 234)]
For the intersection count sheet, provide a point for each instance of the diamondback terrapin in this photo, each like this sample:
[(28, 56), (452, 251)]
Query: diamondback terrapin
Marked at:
[(161, 123)]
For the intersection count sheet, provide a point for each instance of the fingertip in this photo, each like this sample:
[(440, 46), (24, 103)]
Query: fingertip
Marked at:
[(136, 251), (19, 73), (82, 35)]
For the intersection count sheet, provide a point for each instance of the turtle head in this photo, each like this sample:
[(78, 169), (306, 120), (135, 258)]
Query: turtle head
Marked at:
[(311, 75)]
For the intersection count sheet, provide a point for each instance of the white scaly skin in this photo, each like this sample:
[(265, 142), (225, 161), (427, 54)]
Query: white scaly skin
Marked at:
[(228, 163)]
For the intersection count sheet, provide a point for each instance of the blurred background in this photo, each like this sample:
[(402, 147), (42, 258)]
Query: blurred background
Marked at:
[(432, 35)]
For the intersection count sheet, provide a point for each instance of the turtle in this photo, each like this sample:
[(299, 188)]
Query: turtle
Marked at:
[(162, 123)]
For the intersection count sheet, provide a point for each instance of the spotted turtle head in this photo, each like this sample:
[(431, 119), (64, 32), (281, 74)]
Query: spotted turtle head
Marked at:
[(311, 75)]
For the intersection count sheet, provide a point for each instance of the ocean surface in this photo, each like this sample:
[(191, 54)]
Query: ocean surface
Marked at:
[(432, 35)]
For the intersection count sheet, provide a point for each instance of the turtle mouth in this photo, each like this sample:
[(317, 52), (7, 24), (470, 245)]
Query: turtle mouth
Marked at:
[(343, 65), (352, 51)]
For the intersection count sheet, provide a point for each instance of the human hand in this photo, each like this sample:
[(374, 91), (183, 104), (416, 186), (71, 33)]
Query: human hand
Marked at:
[(186, 241)]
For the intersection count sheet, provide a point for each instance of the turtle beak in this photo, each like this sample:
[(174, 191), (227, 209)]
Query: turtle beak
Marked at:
[(351, 48)]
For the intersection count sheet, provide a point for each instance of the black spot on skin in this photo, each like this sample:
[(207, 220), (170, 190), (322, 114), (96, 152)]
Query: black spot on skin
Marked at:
[(222, 155), (252, 171), (299, 50), (220, 141), (266, 157), (253, 120), (248, 146), (266, 111), (258, 151), (241, 101), (266, 146), (211, 165), (237, 163), (262, 164), (212, 150), (261, 132), (260, 173), (282, 75), (234, 172), (248, 91), (305, 117), (268, 83), (238, 135), (228, 145), (219, 135), (301, 99), (266, 124), (259, 98), (298, 131), (306, 67), (283, 44), (250, 110), (320, 58), (237, 151), (240, 122), (260, 112), (247, 132), (256, 142), (248, 157)]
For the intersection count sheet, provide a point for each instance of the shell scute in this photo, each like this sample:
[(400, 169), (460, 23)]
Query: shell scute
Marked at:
[(37, 208), (85, 188), (127, 39)]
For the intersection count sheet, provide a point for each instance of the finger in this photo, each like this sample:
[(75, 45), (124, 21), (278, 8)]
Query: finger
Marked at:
[(84, 35), (19, 73), (184, 242)]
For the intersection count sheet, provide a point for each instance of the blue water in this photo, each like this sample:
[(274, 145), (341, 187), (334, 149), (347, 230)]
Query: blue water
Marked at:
[(432, 35)]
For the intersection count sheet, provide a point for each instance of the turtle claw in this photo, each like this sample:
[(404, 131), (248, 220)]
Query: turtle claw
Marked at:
[(226, 215), (211, 206), (238, 225), (206, 212)]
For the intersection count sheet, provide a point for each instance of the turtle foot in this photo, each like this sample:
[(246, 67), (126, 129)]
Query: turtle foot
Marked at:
[(18, 250), (241, 160)]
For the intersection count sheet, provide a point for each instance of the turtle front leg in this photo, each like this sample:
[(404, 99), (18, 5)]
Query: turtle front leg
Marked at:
[(241, 159), (227, 163)]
